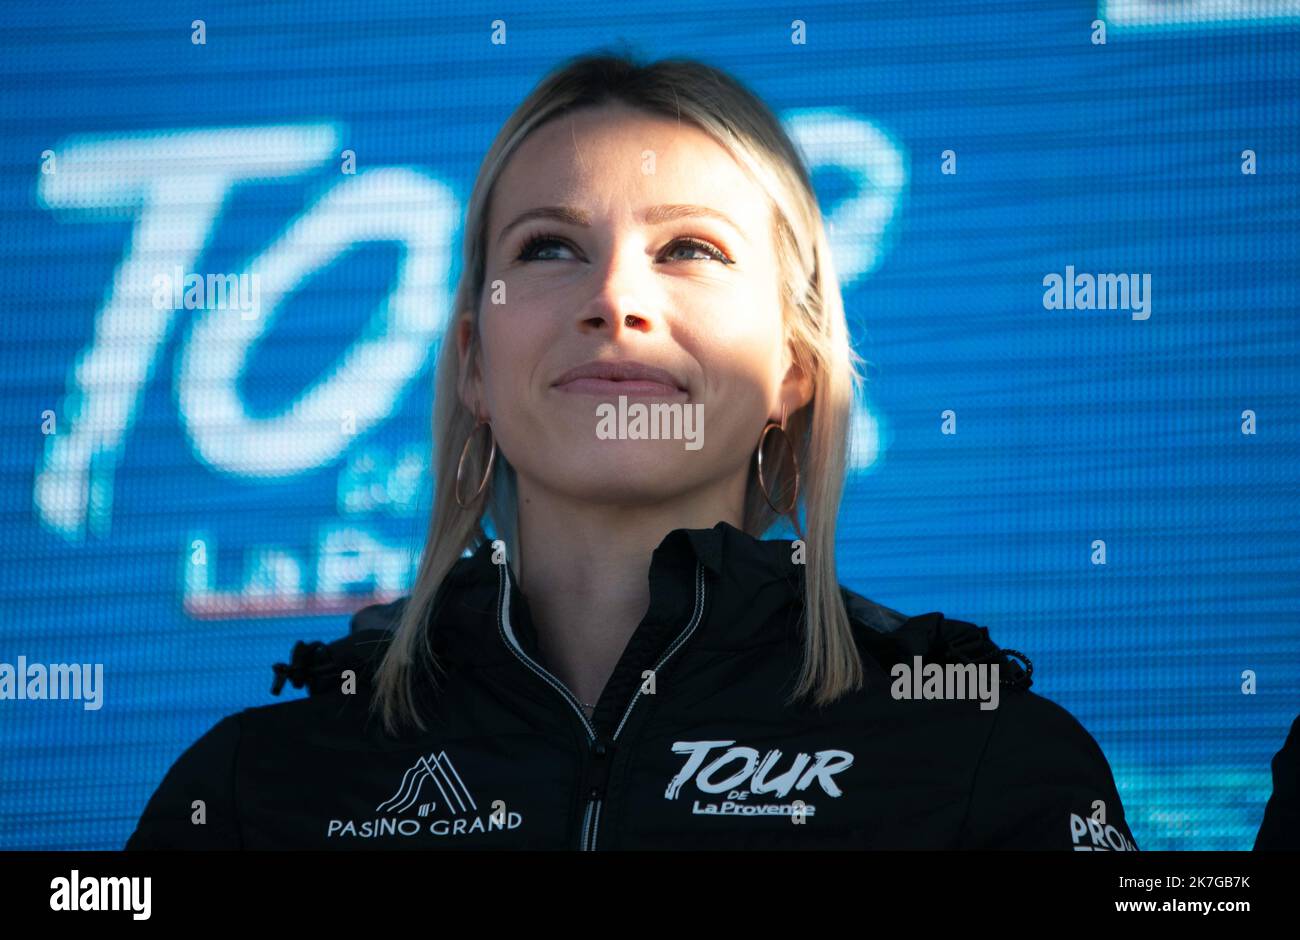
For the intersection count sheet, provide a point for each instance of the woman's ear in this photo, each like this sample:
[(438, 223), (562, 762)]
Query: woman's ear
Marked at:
[(468, 382), (797, 386)]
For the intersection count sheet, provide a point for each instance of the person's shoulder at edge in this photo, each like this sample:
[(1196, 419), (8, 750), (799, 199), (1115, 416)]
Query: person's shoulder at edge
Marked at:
[(1280, 828), (194, 807), (196, 804), (1042, 781)]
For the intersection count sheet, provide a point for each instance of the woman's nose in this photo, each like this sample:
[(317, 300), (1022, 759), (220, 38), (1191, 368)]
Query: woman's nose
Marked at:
[(622, 301), (621, 315)]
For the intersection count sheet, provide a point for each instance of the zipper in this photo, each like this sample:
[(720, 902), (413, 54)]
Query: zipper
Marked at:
[(601, 750)]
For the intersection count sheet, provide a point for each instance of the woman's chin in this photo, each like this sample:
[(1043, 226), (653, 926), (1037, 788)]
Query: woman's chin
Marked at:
[(633, 470)]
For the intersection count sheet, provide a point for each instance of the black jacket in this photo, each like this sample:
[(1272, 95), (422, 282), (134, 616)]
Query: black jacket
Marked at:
[(1280, 828), (707, 755)]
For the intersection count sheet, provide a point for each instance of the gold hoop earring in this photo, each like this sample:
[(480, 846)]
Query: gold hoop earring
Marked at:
[(762, 484), (460, 465)]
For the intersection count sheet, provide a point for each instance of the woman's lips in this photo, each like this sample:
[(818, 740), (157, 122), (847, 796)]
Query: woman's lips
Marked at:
[(607, 388)]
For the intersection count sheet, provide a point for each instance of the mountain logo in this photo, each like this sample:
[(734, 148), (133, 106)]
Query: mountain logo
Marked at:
[(437, 769)]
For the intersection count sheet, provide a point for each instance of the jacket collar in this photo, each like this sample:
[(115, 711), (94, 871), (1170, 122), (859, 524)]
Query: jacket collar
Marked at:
[(734, 579), (733, 586), (742, 580)]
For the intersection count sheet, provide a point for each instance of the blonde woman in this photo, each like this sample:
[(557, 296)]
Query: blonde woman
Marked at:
[(646, 368)]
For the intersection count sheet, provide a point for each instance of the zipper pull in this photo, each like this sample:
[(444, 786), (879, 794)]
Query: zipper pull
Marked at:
[(602, 756)]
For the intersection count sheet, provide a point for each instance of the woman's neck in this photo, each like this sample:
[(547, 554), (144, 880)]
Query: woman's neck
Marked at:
[(585, 571)]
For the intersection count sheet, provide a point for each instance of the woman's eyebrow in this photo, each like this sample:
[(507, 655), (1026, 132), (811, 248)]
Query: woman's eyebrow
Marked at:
[(656, 215)]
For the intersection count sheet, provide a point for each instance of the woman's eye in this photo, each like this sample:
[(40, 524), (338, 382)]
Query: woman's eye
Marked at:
[(530, 249), (694, 244), (527, 252)]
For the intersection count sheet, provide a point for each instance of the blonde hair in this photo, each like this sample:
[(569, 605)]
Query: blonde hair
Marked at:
[(713, 101)]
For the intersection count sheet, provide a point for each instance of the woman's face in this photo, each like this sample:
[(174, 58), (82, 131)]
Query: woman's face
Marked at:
[(616, 277)]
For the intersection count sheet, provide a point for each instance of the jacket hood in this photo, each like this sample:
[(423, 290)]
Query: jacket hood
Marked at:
[(758, 574)]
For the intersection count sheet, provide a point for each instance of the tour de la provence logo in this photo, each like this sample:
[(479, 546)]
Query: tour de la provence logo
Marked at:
[(751, 779)]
